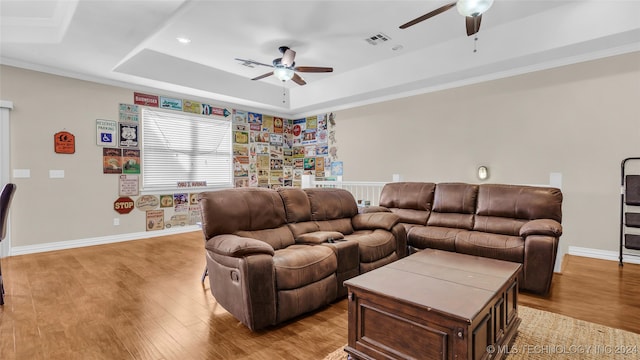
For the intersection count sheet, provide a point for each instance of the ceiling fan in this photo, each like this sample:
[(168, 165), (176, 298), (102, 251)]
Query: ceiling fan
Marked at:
[(472, 10), (285, 67)]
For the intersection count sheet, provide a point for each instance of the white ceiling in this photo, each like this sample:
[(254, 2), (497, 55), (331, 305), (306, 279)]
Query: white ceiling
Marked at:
[(133, 43)]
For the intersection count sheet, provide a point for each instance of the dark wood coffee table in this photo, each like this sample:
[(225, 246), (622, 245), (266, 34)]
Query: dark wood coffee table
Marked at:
[(434, 305)]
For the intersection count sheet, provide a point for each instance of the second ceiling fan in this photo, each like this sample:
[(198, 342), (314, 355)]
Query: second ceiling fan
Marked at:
[(285, 67), (472, 10)]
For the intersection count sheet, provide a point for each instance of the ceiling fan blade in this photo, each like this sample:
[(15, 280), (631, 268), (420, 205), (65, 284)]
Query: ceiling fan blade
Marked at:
[(288, 57), (253, 62), (428, 15), (298, 80), (263, 76), (473, 24), (313, 69)]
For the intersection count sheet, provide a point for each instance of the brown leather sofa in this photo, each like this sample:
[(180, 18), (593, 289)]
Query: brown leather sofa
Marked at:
[(273, 255), (508, 222)]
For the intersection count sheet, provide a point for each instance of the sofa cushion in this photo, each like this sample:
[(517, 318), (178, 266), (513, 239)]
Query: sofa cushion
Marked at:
[(411, 216), (294, 302), (408, 195), (227, 211), (520, 202), (373, 244), (303, 227), (411, 201), (455, 198), (433, 237), (330, 203), (408, 227), (319, 237), (296, 204), (300, 265), (451, 220), (278, 238), (365, 267), (502, 247), (373, 209), (498, 225), (454, 205), (342, 225)]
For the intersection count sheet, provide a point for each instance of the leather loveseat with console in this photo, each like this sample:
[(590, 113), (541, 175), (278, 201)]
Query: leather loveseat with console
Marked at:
[(508, 222), (275, 254)]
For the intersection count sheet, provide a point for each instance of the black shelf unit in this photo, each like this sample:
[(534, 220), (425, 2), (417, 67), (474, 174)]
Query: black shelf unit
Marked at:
[(629, 217)]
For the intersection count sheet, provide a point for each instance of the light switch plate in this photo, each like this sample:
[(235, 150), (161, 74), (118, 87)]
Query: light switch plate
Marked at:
[(56, 174), (21, 173)]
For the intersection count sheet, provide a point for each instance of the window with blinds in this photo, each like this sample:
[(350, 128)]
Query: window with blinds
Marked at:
[(181, 147)]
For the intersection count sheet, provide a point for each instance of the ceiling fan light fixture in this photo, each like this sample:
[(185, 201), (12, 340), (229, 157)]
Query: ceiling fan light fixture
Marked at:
[(283, 73), (473, 7)]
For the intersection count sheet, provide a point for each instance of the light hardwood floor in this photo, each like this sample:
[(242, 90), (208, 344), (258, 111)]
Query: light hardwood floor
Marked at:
[(143, 300)]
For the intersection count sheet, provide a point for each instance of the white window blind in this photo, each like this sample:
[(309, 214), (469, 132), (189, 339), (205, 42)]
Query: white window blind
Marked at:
[(180, 147)]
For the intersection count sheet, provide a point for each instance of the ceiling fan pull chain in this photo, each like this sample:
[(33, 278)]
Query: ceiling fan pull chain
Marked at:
[(476, 25), (284, 93)]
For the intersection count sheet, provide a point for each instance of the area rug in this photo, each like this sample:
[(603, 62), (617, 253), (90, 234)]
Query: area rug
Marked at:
[(545, 335)]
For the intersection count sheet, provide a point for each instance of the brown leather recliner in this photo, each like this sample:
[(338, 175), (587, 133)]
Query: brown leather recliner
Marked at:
[(508, 222), (273, 255)]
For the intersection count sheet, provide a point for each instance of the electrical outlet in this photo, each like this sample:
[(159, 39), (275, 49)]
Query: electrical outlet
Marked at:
[(116, 221), (56, 174)]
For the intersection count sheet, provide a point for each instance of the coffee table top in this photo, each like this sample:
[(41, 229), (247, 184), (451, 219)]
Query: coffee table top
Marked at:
[(455, 284)]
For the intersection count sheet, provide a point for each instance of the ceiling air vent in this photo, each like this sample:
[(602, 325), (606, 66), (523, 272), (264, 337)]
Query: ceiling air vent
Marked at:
[(378, 38)]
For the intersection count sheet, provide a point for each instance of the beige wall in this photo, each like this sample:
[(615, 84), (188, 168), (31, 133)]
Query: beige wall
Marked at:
[(579, 120), (79, 206)]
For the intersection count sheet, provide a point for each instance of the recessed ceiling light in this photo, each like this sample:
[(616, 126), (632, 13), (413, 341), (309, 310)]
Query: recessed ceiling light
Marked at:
[(183, 40), (397, 48)]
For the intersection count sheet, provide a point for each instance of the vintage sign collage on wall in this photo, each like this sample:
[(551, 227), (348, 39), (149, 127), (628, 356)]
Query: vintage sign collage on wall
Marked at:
[(272, 152), (121, 155), (268, 151)]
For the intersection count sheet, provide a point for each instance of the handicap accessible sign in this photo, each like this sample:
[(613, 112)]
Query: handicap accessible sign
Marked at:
[(106, 132)]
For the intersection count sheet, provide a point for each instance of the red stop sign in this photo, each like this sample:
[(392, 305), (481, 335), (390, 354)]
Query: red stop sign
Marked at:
[(123, 205)]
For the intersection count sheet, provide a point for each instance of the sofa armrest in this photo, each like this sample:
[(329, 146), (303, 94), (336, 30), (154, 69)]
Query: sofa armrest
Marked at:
[(540, 253), (400, 233), (546, 227), (374, 209), (319, 237), (378, 220), (238, 246), (244, 286)]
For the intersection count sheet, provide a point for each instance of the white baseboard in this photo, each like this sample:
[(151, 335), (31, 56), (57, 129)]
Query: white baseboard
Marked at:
[(70, 244), (557, 268), (603, 254)]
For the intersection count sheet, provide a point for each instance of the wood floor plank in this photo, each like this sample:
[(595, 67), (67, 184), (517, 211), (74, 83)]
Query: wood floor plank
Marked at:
[(143, 300), (594, 290)]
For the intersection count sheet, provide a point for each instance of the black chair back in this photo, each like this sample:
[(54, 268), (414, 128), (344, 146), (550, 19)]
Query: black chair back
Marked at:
[(5, 200)]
